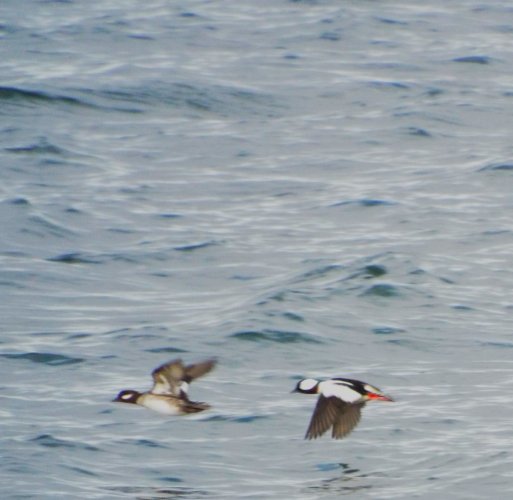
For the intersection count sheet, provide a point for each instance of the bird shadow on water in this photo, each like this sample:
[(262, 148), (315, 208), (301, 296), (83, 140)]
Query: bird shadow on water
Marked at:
[(350, 480)]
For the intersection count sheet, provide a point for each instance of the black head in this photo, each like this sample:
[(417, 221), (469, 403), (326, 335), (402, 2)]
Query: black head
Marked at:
[(307, 386), (127, 396)]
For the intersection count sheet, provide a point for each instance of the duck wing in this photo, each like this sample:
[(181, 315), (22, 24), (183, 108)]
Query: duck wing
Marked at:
[(346, 420), (333, 412), (173, 378), (168, 377)]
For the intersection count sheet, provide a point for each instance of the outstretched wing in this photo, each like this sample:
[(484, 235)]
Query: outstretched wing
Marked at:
[(333, 412), (173, 378), (324, 416), (168, 377), (346, 420), (198, 370)]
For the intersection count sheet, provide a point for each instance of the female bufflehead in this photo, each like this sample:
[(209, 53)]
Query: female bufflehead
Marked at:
[(169, 392), (339, 404)]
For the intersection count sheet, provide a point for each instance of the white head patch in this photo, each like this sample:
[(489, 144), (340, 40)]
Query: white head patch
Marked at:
[(308, 384), (128, 395), (370, 388)]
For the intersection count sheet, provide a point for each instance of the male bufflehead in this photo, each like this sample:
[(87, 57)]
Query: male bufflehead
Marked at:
[(339, 404), (169, 392)]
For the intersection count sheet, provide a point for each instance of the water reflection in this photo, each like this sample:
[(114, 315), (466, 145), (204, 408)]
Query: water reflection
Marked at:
[(349, 480), (154, 493)]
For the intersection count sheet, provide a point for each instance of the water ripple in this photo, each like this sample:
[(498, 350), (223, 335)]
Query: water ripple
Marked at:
[(46, 358), (49, 441), (278, 336)]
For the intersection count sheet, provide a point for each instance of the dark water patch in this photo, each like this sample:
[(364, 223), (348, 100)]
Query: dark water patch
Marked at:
[(434, 92), (462, 307), (80, 470), (326, 467), (247, 419), (277, 336), (169, 216), (473, 59), (388, 20), (109, 101), (367, 272), (46, 225), (24, 96), (79, 336), (410, 345), (140, 189), (343, 467), (8, 29), (74, 258), (364, 202), (331, 36), (161, 274), (418, 132), (373, 271), (50, 441), (171, 479), (12, 284), (218, 99), (496, 232), (53, 162), (449, 281), (387, 330), (121, 230), (189, 15), (136, 36), (195, 246), (499, 345), (39, 148), (275, 297), (244, 419), (45, 358), (493, 167), (450, 421), (320, 272), (293, 317), (350, 481), (135, 334), (18, 468), (382, 290), (18, 201), (146, 493), (82, 258), (242, 277), (73, 211), (166, 350), (148, 443), (380, 84)]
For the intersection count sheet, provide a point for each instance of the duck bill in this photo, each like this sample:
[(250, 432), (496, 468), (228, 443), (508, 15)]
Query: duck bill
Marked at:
[(379, 397)]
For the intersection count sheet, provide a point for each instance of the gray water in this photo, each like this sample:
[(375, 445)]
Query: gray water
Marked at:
[(300, 188)]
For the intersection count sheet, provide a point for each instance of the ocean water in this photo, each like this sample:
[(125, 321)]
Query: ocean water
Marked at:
[(299, 188)]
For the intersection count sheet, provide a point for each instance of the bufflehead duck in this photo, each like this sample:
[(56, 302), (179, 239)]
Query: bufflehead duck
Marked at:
[(169, 394), (339, 404)]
